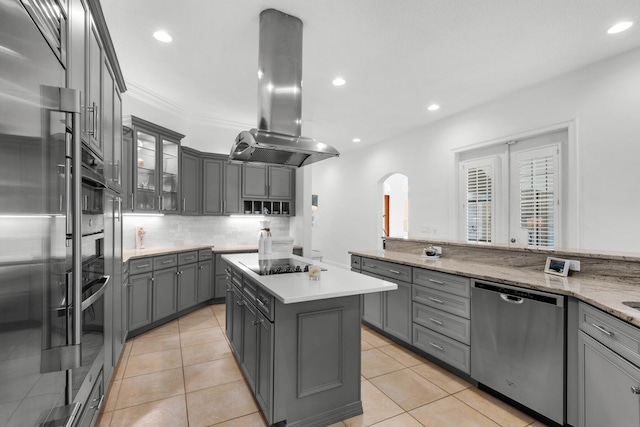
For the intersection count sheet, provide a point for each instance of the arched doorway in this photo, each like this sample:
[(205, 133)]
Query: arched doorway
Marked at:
[(395, 206)]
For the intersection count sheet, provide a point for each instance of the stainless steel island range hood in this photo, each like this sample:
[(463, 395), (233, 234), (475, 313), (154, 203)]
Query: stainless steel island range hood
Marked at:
[(277, 139)]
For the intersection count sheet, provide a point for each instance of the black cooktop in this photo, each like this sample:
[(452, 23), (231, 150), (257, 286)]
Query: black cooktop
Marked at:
[(278, 266)]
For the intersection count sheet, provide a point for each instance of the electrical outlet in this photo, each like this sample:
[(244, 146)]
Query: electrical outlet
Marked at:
[(575, 265), (438, 249)]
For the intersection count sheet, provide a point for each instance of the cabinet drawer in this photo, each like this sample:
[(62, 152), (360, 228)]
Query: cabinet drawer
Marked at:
[(140, 265), (250, 289), (356, 262), (613, 333), (454, 304), (165, 261), (442, 281), (387, 269), (449, 351), (205, 254), (442, 322), (187, 257), (265, 303)]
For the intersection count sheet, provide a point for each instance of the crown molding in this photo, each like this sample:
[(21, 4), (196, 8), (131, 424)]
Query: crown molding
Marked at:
[(154, 99)]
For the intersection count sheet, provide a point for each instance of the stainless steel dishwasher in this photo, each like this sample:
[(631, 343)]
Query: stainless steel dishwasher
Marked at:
[(518, 345)]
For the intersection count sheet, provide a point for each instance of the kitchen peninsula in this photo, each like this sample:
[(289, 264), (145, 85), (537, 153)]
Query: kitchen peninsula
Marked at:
[(297, 340)]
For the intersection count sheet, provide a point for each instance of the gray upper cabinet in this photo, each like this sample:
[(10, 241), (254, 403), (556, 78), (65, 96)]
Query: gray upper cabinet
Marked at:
[(232, 179), (221, 186), (212, 173), (255, 180), (281, 182), (155, 176), (190, 182), (268, 182), (93, 101)]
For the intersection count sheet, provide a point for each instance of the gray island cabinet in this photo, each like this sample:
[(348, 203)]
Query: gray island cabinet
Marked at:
[(297, 341)]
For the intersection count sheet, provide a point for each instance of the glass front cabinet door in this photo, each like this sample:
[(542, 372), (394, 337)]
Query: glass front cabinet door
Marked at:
[(154, 185)]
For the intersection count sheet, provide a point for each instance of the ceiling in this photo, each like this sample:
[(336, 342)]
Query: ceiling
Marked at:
[(397, 57)]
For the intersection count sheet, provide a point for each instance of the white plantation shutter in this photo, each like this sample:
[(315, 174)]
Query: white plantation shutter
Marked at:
[(478, 177), (537, 187)]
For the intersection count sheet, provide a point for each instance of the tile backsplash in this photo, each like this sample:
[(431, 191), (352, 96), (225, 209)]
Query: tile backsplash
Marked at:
[(196, 230)]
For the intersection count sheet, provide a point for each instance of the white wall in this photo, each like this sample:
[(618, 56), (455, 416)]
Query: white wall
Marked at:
[(603, 100)]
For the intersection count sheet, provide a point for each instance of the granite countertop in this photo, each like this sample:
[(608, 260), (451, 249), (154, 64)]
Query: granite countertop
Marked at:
[(606, 295), (297, 287), (160, 250)]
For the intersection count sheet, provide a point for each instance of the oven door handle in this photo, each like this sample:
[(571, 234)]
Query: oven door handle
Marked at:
[(94, 297)]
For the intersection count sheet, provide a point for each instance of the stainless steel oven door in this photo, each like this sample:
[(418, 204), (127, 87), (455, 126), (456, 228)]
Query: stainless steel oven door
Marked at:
[(92, 338)]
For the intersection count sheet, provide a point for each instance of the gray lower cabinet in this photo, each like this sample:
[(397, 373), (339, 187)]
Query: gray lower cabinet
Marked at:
[(442, 317), (609, 386), (302, 361), (264, 374), (139, 300), (165, 286), (373, 308), (187, 286), (205, 275), (608, 370), (389, 311), (430, 311), (187, 280)]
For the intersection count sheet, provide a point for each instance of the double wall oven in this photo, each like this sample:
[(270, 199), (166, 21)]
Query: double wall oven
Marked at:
[(93, 283)]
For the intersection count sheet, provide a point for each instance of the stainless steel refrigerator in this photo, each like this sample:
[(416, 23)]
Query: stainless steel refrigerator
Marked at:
[(38, 342)]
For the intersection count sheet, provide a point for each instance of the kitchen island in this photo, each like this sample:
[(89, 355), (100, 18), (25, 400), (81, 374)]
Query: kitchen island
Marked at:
[(298, 340)]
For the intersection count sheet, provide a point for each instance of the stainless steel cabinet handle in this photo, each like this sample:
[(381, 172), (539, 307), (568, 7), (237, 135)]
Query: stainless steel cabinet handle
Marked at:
[(437, 282), (190, 257), (436, 346), (258, 322), (394, 271), (91, 119), (436, 321), (439, 301), (200, 267), (511, 299), (142, 266), (635, 389), (372, 265), (97, 407), (240, 303), (603, 330), (184, 203), (167, 262)]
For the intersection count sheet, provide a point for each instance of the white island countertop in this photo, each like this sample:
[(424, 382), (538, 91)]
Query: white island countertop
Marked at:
[(297, 287)]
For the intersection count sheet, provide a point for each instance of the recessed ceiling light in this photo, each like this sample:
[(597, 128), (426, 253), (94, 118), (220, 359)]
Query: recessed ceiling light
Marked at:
[(356, 139), (338, 81), (433, 107), (620, 27), (162, 36)]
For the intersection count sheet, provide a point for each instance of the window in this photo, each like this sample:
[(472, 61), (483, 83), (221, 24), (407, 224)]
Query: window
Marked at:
[(510, 192), (535, 193), (478, 178)]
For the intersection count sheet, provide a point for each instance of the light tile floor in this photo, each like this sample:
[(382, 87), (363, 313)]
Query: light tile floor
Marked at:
[(183, 374)]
